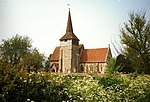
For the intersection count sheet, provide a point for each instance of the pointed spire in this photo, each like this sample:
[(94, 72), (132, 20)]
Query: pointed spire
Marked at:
[(69, 23), (69, 30)]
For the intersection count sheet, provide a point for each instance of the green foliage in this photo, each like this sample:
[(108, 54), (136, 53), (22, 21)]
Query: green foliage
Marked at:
[(109, 80), (22, 86), (12, 50), (17, 51), (47, 65), (44, 87), (135, 37), (112, 67), (32, 60), (125, 63)]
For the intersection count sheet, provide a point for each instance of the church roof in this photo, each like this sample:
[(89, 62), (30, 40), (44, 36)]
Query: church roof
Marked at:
[(55, 55), (88, 55), (94, 55), (69, 30)]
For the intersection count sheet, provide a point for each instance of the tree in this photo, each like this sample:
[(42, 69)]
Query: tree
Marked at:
[(32, 60), (13, 49), (125, 63), (47, 63), (17, 51), (112, 66), (135, 37)]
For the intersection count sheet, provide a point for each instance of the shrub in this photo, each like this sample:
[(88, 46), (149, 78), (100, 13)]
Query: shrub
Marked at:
[(22, 86), (109, 80), (16, 86)]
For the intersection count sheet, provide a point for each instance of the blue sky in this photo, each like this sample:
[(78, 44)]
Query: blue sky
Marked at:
[(95, 22)]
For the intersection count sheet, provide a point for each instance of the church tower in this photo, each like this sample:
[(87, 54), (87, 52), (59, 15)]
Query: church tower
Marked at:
[(69, 51)]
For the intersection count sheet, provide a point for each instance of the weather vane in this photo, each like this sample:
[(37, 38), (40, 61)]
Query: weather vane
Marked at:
[(69, 6)]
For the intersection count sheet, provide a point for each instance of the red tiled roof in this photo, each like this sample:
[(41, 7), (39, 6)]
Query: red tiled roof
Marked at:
[(88, 55), (94, 55), (55, 55)]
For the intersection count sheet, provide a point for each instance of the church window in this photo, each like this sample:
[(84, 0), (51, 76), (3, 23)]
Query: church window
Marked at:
[(87, 68), (82, 69), (91, 68), (101, 67)]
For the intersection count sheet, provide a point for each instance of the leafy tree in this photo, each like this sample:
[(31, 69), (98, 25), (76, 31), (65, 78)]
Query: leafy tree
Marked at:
[(13, 49), (32, 60), (47, 63), (17, 51), (135, 37), (112, 67), (125, 63)]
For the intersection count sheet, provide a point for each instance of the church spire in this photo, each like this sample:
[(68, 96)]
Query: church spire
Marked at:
[(69, 30), (69, 23)]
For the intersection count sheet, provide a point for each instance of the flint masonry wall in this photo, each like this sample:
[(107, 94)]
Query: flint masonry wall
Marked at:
[(69, 57)]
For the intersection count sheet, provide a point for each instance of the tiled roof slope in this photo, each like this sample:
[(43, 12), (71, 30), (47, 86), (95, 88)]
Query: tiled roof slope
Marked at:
[(94, 55), (55, 55)]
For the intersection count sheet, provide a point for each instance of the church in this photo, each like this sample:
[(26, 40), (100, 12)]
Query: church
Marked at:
[(72, 57)]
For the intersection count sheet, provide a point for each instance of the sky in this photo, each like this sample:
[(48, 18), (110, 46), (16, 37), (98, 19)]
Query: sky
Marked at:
[(96, 23)]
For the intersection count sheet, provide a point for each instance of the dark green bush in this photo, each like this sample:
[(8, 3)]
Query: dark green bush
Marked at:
[(109, 80)]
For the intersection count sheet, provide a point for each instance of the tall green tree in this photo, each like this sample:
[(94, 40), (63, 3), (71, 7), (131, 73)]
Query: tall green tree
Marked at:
[(135, 37), (13, 49), (18, 51)]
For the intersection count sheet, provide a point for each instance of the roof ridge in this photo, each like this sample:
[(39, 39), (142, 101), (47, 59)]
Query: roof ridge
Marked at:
[(96, 48)]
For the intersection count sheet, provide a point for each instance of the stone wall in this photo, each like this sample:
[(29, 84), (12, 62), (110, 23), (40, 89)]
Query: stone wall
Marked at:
[(69, 57), (75, 58), (93, 67), (65, 60)]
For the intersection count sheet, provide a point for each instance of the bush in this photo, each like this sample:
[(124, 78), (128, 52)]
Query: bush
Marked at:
[(16, 86), (22, 86), (109, 80)]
